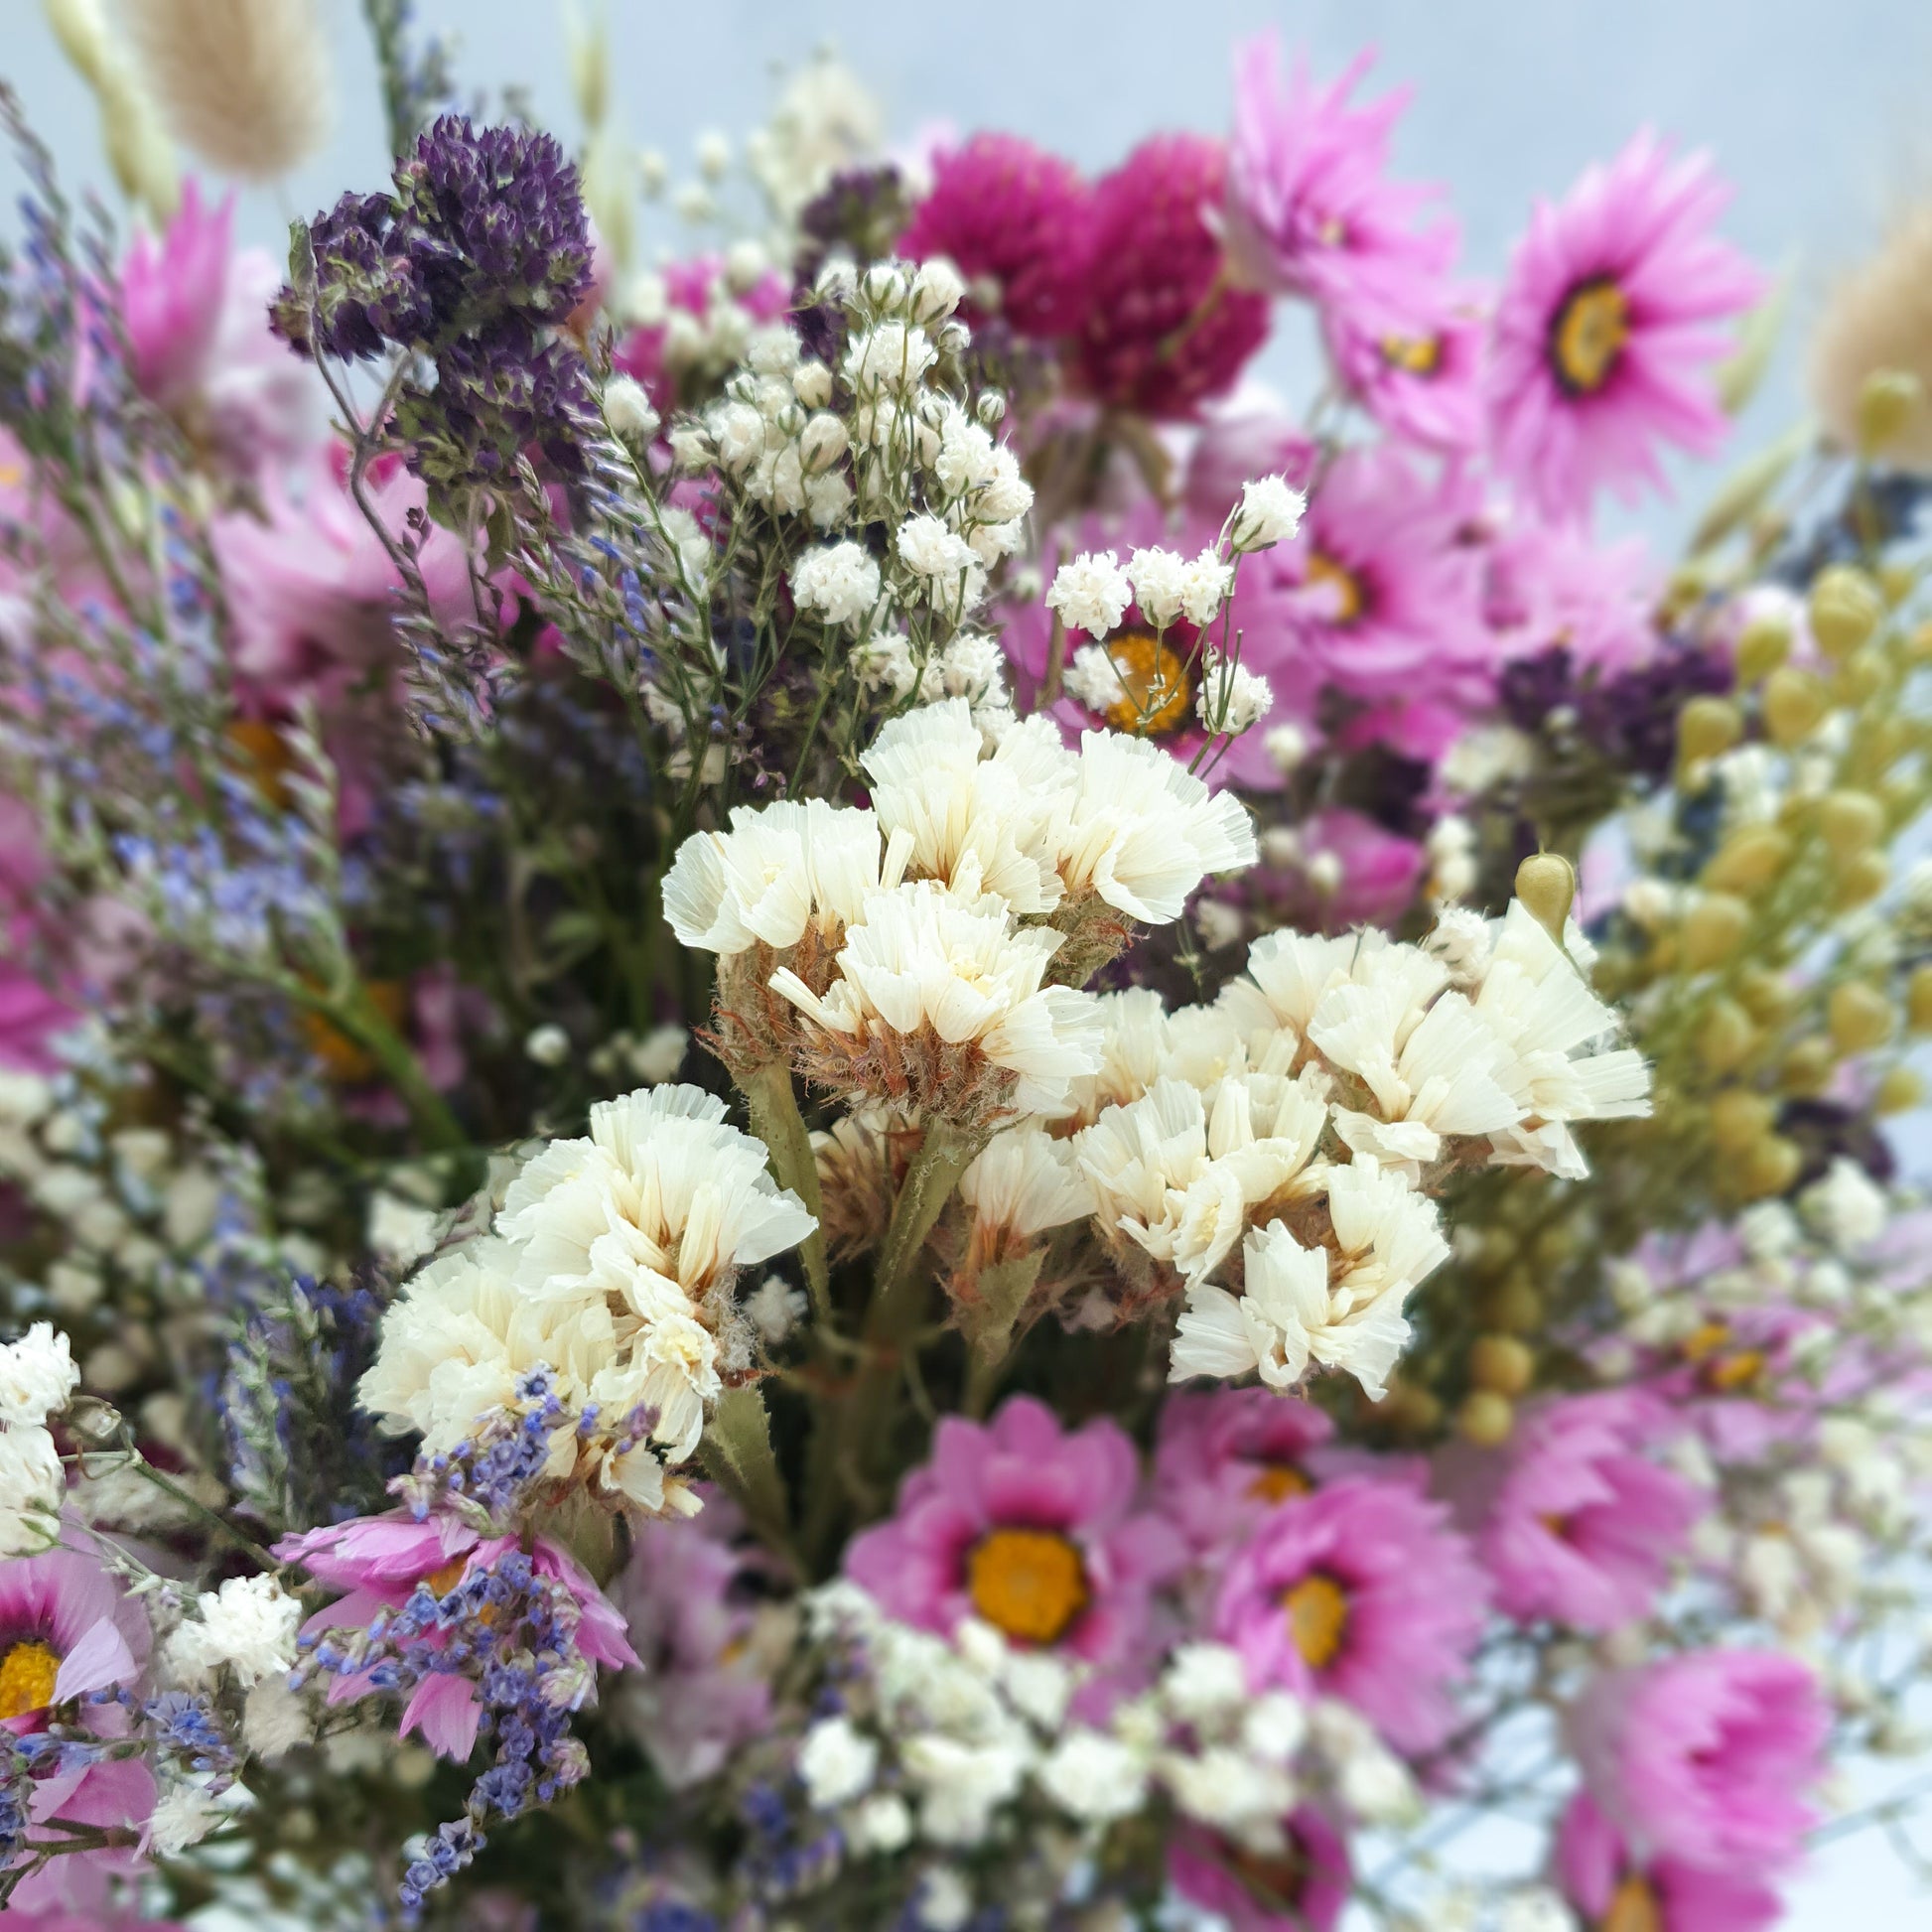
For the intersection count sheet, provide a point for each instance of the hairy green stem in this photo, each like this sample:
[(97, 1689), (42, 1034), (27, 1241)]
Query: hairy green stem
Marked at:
[(776, 1121)]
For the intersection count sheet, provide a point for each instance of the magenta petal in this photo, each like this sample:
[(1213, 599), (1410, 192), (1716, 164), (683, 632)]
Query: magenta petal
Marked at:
[(445, 1707)]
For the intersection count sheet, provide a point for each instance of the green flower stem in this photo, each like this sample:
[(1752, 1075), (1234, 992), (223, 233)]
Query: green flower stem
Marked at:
[(776, 1121), (358, 1018)]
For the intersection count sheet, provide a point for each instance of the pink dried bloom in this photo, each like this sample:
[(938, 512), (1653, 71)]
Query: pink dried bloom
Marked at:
[(1609, 319), (1165, 328), (1310, 1880), (1706, 1757), (1360, 1592), (1602, 1878), (1311, 211), (1583, 1525), (1030, 1529), (1006, 210)]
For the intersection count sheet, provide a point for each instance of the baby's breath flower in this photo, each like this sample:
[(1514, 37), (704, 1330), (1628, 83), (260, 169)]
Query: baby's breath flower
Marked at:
[(1091, 593), (839, 582), (1270, 514)]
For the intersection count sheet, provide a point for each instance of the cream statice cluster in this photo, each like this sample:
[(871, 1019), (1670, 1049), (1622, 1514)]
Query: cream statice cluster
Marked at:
[(928, 951), (610, 1271), (1290, 1138), (38, 1379)]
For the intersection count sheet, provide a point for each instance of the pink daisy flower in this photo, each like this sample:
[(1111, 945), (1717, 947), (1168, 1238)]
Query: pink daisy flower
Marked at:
[(1549, 587), (1165, 328), (196, 315), (1311, 211), (1360, 1592), (1159, 673), (1350, 871), (1030, 1529), (67, 1631), (382, 1561), (1706, 1758), (1006, 210), (700, 1695), (1613, 1889), (1379, 593), (1583, 1525), (1303, 1888), (1609, 319), (1224, 1458), (1419, 373)]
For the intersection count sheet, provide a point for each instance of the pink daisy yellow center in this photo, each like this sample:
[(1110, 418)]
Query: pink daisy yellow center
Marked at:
[(1276, 1482), (1413, 354), (1157, 694), (1350, 598), (1634, 1909), (1316, 1609), (1588, 334), (1030, 1584), (28, 1675)]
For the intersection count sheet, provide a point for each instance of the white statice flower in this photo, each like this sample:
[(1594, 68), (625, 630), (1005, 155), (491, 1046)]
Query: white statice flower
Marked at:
[(738, 433), (838, 581), (1231, 1792), (246, 1627), (1142, 1042), (628, 409), (944, 1903), (1141, 833), (1848, 1208), (1556, 1068), (928, 549), (1095, 679), (882, 1825), (1205, 583), (276, 1720), (1093, 1777), (1091, 593), (183, 1815), (837, 1763), (1026, 1183), (932, 783), (1233, 698), (1429, 1064), (1180, 1172), (1460, 939), (1343, 1308), (33, 1485), (780, 867), (659, 1055), (962, 1784), (775, 1309), (937, 290), (1205, 1684), (923, 960), (401, 1231), (973, 666), (1160, 583), (38, 1377), (1269, 513), (891, 359), (884, 663)]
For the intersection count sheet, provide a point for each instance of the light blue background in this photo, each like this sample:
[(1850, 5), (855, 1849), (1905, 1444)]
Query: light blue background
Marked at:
[(1816, 108)]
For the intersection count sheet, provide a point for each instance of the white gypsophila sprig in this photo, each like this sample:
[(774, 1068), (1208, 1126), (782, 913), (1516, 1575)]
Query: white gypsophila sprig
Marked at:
[(38, 1376), (839, 581), (246, 1627), (1269, 513), (1232, 698), (1091, 593)]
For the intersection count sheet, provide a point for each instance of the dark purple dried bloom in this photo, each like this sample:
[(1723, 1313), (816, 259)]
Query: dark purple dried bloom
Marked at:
[(1631, 719)]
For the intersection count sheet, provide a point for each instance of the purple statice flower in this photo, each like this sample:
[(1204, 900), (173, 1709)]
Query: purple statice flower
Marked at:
[(487, 1479)]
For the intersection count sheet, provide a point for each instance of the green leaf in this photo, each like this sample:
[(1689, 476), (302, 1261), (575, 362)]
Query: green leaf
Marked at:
[(1740, 374), (1748, 489)]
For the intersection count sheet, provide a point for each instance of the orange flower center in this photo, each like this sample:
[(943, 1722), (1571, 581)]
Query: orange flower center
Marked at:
[(1156, 690), (1634, 1909), (344, 1058), (441, 1582), (1413, 354), (1275, 1482), (267, 754), (1586, 338), (1030, 1584), (1318, 1618), (1349, 599), (27, 1673)]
